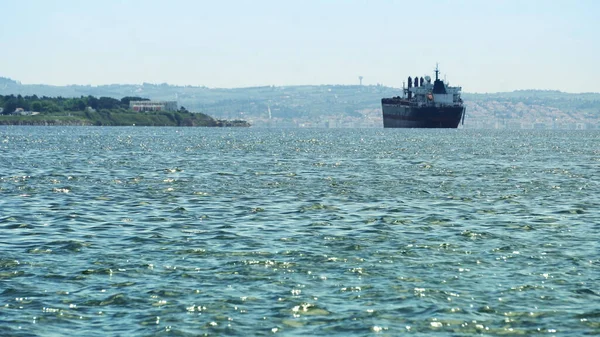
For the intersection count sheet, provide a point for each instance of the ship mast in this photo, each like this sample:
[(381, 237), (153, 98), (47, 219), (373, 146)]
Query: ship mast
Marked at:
[(436, 71)]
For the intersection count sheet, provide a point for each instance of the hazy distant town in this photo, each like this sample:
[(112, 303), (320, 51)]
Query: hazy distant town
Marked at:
[(340, 106)]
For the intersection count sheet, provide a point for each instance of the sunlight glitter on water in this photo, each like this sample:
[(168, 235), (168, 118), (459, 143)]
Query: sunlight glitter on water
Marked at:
[(298, 233)]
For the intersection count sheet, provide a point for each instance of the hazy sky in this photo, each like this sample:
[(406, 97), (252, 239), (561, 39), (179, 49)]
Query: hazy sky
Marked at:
[(482, 45)]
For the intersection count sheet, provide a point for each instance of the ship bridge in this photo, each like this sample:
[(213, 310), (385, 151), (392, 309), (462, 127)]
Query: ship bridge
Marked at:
[(438, 93)]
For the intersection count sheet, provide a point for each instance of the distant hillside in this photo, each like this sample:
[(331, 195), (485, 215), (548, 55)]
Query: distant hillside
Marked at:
[(534, 109), (340, 105)]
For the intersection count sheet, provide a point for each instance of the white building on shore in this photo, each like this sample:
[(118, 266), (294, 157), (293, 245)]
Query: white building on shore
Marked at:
[(153, 105)]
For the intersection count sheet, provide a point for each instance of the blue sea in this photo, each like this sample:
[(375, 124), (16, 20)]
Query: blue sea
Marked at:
[(133, 231)]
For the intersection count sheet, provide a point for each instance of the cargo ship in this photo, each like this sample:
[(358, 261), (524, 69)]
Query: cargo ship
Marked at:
[(424, 105)]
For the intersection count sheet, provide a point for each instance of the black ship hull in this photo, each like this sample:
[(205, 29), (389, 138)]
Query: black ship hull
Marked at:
[(405, 116)]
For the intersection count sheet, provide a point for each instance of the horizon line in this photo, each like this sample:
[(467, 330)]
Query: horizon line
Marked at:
[(275, 86)]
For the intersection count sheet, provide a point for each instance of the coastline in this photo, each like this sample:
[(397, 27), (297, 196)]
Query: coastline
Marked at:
[(175, 119)]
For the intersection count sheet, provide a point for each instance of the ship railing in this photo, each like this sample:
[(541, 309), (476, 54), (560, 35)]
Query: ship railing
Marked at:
[(445, 105)]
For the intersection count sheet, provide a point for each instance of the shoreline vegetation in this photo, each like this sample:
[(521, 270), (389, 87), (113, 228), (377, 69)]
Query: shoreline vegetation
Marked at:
[(103, 111)]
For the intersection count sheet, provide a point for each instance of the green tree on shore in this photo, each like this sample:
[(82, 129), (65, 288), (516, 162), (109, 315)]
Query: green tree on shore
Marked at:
[(105, 111)]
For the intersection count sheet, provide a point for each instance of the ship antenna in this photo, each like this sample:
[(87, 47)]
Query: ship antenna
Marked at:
[(436, 71)]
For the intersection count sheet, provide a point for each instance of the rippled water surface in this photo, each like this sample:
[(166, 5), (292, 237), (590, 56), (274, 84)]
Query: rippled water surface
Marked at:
[(196, 231)]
